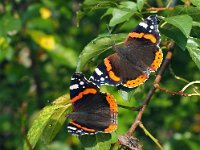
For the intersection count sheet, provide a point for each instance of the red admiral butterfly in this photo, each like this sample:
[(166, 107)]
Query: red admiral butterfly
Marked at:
[(132, 63), (93, 111)]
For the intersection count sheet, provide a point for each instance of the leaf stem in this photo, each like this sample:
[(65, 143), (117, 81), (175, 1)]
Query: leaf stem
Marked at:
[(151, 136), (189, 84)]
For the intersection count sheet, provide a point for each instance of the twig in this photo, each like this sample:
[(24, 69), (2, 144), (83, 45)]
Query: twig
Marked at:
[(170, 92), (160, 9), (151, 136), (189, 84), (129, 108), (176, 76), (153, 88)]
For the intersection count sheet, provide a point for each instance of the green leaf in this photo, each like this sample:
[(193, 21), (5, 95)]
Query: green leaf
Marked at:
[(120, 16), (140, 4), (193, 46), (196, 3), (108, 12), (64, 56), (9, 25), (96, 4), (6, 51), (46, 125), (96, 47), (54, 124), (182, 22), (42, 24), (193, 12), (100, 141), (128, 5), (124, 11), (175, 34)]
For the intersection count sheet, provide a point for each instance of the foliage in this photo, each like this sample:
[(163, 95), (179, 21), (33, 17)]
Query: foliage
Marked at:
[(43, 42)]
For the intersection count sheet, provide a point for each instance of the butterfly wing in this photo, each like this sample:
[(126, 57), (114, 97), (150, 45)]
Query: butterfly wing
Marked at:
[(92, 111), (132, 63)]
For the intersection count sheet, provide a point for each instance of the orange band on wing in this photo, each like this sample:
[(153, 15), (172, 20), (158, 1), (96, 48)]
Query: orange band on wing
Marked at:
[(136, 35), (85, 92), (113, 76), (111, 128), (150, 37), (110, 73), (84, 128), (157, 61), (112, 103), (107, 64), (139, 80)]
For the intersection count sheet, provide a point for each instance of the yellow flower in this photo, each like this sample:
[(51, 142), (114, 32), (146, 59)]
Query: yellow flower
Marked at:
[(47, 42), (45, 13)]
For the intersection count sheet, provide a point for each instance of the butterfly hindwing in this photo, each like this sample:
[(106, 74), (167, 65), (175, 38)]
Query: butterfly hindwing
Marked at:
[(93, 111)]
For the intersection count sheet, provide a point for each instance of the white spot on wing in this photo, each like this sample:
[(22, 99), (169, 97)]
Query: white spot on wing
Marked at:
[(102, 79), (73, 87), (92, 78), (98, 71), (143, 24), (81, 83), (152, 27), (71, 128)]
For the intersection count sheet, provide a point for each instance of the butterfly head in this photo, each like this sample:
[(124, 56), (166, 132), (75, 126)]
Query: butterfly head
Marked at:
[(149, 25)]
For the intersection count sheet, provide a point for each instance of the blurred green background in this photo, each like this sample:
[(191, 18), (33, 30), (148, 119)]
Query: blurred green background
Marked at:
[(40, 42)]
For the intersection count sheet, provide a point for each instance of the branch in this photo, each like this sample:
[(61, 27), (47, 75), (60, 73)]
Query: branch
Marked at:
[(153, 88), (160, 8)]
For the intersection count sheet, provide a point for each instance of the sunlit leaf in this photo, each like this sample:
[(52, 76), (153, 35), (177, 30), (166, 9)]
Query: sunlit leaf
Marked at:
[(124, 11), (46, 124), (193, 46), (140, 4), (196, 3), (128, 5), (100, 141), (54, 124), (120, 16), (182, 22)]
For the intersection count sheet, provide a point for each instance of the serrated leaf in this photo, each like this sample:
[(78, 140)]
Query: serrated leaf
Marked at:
[(182, 22), (41, 124), (96, 47), (100, 141), (193, 46)]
